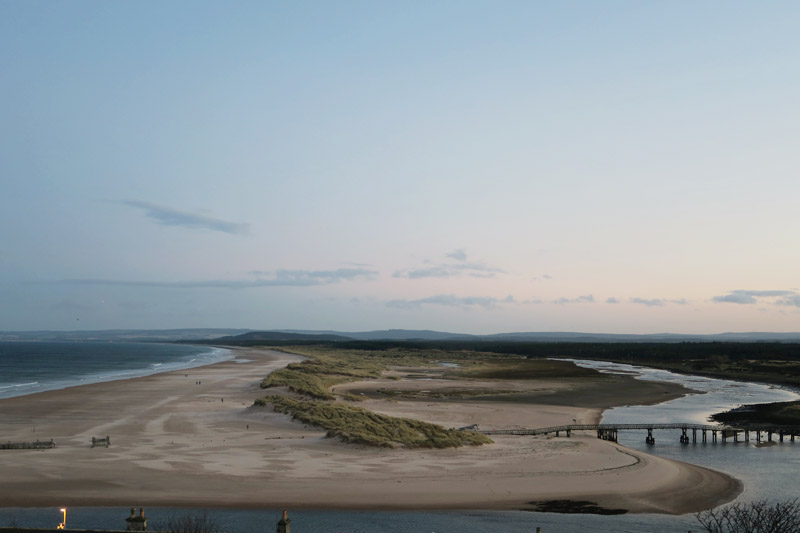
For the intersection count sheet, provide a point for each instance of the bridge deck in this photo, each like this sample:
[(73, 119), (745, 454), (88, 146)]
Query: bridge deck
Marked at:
[(620, 427)]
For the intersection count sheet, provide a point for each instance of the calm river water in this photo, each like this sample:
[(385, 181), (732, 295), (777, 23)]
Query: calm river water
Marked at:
[(767, 472)]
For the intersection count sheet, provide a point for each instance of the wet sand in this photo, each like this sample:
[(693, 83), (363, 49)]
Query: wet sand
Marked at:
[(178, 443)]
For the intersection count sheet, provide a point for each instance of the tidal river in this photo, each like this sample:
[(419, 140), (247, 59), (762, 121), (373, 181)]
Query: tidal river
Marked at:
[(767, 472)]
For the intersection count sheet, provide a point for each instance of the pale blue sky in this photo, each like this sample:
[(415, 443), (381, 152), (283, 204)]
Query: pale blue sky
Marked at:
[(477, 167)]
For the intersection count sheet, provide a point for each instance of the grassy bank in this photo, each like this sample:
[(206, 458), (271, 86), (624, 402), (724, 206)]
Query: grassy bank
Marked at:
[(357, 425), (760, 414)]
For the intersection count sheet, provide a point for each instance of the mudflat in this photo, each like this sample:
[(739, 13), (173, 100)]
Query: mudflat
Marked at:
[(194, 438)]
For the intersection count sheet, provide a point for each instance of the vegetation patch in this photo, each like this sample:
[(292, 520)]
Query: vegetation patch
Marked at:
[(361, 426), (761, 414), (502, 368), (324, 369)]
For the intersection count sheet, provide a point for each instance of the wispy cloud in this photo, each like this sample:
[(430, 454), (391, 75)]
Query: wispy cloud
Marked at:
[(459, 254), (587, 299), (451, 300), (451, 269), (790, 300), (658, 302), (278, 278), (431, 272), (167, 216), (612, 300), (741, 296)]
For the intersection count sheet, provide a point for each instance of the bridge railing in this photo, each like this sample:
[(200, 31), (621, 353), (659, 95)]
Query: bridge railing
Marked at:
[(600, 427), (619, 427)]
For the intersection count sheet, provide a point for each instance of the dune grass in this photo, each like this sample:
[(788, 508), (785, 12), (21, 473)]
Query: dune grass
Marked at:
[(361, 426), (325, 368)]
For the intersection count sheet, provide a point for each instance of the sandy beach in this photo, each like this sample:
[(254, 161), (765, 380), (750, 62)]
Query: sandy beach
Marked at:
[(193, 438)]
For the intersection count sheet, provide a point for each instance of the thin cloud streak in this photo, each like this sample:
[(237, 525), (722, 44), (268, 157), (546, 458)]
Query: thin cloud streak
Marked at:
[(450, 270), (451, 300), (658, 302), (743, 296), (587, 299), (167, 216), (654, 302), (279, 278)]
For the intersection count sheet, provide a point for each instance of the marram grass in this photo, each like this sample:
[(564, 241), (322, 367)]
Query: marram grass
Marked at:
[(361, 426)]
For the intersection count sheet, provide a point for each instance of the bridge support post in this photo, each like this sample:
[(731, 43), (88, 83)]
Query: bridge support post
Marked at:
[(735, 436), (694, 435), (758, 436), (650, 439), (684, 436), (746, 435), (557, 433), (569, 433), (769, 436), (714, 435), (704, 436)]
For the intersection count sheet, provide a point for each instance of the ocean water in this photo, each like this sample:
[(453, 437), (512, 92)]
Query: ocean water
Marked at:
[(31, 367), (767, 472)]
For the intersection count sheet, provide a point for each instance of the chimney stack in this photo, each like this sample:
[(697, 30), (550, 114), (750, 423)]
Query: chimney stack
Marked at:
[(136, 523), (284, 524)]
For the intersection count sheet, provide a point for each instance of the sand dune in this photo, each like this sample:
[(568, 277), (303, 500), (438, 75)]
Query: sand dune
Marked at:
[(175, 442)]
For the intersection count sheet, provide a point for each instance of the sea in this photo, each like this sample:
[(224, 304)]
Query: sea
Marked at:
[(31, 367), (768, 472)]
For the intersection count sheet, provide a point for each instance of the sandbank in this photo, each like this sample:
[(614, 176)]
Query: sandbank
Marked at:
[(193, 438)]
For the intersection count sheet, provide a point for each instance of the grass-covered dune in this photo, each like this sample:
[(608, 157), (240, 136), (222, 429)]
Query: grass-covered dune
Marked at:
[(361, 426), (326, 367)]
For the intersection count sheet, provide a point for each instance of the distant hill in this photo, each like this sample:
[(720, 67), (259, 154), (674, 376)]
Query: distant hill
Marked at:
[(390, 334), (121, 335), (281, 336), (248, 336), (552, 336)]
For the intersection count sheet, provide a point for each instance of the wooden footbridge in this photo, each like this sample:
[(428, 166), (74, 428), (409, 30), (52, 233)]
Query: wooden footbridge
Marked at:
[(609, 431)]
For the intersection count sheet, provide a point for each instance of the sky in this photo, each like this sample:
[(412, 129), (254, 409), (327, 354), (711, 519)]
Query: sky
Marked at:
[(467, 166)]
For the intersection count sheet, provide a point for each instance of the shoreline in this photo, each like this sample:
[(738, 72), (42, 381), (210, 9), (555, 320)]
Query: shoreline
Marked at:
[(126, 374), (191, 438)]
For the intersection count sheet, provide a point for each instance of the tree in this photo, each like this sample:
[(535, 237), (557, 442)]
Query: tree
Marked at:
[(759, 516)]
